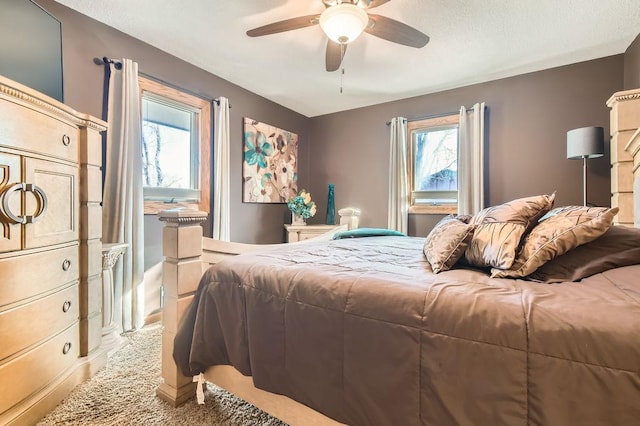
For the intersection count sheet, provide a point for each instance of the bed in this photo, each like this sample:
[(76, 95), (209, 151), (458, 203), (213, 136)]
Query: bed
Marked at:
[(364, 331)]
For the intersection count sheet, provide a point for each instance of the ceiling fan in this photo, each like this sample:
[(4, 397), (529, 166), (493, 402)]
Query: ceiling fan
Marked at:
[(343, 21)]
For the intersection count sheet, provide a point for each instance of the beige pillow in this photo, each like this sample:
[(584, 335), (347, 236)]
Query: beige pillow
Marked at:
[(446, 243), (618, 247), (559, 231), (499, 230)]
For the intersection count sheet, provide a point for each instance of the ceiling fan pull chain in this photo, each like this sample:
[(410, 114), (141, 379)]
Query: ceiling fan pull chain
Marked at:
[(342, 48)]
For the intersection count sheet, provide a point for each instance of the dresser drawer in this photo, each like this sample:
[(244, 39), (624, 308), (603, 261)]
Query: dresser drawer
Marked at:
[(27, 324), (306, 236), (24, 277), (30, 372), (305, 232), (29, 130)]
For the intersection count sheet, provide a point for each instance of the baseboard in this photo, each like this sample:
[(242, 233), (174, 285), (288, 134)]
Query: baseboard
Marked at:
[(38, 405)]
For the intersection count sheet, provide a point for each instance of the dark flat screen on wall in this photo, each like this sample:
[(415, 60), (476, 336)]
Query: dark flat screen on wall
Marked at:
[(31, 47)]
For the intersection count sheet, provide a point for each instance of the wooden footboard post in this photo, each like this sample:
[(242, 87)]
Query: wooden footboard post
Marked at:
[(181, 272)]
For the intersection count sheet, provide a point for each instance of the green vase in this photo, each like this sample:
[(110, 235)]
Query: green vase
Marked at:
[(331, 206)]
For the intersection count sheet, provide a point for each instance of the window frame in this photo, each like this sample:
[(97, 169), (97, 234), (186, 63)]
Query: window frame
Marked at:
[(412, 127), (162, 199)]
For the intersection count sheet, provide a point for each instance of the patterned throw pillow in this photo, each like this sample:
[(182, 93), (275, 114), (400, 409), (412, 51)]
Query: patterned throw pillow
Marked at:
[(618, 247), (446, 243), (559, 231), (499, 230)]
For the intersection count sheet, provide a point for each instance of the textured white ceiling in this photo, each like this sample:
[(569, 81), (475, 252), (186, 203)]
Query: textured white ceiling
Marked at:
[(471, 42)]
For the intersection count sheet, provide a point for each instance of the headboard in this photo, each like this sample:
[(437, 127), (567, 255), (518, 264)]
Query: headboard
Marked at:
[(625, 155)]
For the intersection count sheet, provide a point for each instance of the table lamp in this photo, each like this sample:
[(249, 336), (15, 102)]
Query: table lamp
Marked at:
[(585, 143)]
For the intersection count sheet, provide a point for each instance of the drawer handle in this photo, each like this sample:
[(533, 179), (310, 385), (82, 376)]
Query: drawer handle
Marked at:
[(42, 202), (66, 264), (5, 210), (66, 140), (66, 348), (66, 305)]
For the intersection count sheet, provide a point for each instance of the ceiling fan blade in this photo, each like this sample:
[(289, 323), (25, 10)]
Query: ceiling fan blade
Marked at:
[(286, 25), (395, 31), (334, 55)]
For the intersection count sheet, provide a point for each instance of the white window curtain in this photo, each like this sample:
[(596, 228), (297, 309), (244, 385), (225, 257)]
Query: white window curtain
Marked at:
[(221, 191), (122, 211), (471, 160), (398, 217)]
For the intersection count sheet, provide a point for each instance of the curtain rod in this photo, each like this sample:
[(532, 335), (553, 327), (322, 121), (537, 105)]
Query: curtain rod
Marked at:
[(442, 114), (106, 61), (118, 65)]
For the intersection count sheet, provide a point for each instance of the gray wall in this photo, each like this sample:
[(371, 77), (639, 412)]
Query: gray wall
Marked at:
[(632, 65), (527, 120)]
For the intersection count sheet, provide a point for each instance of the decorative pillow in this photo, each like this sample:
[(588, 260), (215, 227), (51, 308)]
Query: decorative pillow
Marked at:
[(499, 230), (618, 247), (559, 231), (446, 243)]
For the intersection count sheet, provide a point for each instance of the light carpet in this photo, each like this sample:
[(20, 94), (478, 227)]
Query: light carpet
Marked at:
[(124, 393)]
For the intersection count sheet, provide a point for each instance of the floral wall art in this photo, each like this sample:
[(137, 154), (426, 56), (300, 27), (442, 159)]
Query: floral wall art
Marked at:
[(270, 164)]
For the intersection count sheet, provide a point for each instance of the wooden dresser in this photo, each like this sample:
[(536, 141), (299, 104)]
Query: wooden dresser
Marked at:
[(50, 251), (349, 219), (625, 155)]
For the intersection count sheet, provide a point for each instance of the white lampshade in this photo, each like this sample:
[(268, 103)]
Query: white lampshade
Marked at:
[(586, 142), (344, 22)]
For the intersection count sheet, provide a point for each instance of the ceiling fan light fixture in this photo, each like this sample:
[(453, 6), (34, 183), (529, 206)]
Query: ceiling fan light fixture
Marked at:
[(343, 22)]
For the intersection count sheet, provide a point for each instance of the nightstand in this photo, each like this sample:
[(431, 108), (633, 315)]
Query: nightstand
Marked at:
[(304, 232)]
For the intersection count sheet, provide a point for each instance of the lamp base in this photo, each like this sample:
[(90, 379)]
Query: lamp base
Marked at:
[(584, 180)]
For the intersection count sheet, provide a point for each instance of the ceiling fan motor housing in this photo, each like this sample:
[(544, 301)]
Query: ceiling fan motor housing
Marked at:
[(360, 3), (344, 22)]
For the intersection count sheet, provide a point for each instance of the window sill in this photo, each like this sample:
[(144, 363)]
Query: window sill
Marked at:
[(440, 209), (155, 207)]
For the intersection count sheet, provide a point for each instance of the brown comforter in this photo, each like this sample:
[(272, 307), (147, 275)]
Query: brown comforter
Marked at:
[(363, 331)]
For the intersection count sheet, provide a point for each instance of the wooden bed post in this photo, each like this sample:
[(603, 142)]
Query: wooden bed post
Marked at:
[(181, 272)]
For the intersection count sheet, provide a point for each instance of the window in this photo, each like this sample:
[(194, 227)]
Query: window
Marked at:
[(433, 164), (176, 141)]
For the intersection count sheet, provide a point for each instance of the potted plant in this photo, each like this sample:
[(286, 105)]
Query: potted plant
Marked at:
[(301, 207)]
